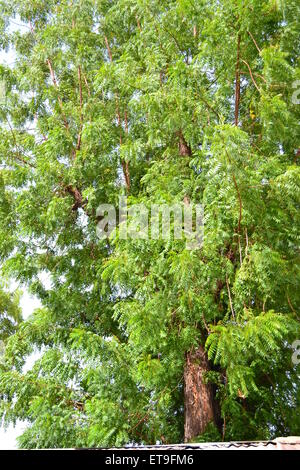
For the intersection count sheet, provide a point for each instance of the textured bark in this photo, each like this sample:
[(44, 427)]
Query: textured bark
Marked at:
[(76, 194), (183, 147), (199, 407)]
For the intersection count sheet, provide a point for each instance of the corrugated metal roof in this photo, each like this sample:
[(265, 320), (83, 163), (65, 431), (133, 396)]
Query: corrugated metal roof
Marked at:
[(281, 443)]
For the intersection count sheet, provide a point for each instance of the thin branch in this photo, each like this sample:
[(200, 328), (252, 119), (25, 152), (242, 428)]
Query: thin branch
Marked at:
[(81, 104), (229, 295), (208, 105), (18, 154), (205, 324), (138, 24), (291, 306), (52, 74), (240, 203), (125, 165), (240, 249), (254, 74), (247, 242), (251, 75), (126, 122), (108, 49), (259, 50), (146, 415), (87, 85), (237, 82), (238, 193)]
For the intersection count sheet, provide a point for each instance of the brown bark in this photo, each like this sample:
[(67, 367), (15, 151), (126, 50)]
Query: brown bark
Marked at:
[(198, 397), (76, 194), (199, 407), (125, 167), (183, 147)]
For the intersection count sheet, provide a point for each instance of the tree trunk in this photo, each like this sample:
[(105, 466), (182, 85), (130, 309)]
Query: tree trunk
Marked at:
[(199, 407)]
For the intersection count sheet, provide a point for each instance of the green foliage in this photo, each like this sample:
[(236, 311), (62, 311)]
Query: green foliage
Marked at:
[(10, 313), (99, 101), (211, 434)]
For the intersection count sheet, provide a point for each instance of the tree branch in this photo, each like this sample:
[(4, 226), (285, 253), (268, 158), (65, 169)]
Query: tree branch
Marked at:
[(108, 49), (229, 295), (237, 82), (52, 74), (81, 104), (251, 75), (259, 50)]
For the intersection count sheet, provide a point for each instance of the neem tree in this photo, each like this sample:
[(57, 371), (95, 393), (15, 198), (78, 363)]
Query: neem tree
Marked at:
[(162, 101)]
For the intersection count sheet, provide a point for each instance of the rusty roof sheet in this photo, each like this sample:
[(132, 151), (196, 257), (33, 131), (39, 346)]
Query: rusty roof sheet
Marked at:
[(281, 443)]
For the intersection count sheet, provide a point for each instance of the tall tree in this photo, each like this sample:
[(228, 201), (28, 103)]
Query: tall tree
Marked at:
[(163, 101)]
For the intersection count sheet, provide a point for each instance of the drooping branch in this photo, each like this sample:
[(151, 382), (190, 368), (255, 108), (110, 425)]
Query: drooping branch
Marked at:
[(251, 75), (138, 24), (108, 49), (236, 120), (240, 203), (19, 157), (87, 85), (125, 165), (52, 74), (229, 296), (255, 43), (237, 82), (18, 154), (81, 104)]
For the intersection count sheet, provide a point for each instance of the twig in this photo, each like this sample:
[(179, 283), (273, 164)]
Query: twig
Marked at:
[(108, 49), (259, 50), (240, 250), (238, 193), (81, 104), (251, 75), (52, 74), (247, 242), (292, 308), (240, 203), (138, 24), (229, 295), (205, 324), (87, 85), (237, 82), (18, 154)]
